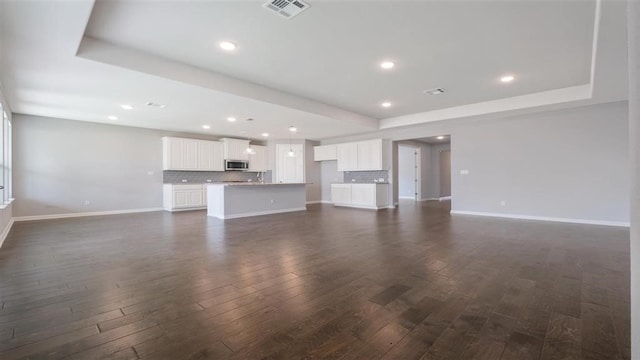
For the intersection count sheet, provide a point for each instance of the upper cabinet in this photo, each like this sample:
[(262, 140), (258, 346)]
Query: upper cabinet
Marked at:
[(191, 154), (289, 169), (258, 161), (325, 152), (235, 149), (362, 156)]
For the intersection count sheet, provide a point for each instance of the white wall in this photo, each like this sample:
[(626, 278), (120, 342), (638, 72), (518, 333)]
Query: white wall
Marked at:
[(634, 131), (59, 164), (434, 190), (312, 173), (571, 164), (329, 175), (406, 171)]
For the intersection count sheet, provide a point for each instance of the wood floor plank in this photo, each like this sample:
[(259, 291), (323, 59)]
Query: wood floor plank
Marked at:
[(409, 283)]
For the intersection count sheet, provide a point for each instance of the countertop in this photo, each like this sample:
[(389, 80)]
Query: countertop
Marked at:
[(359, 183), (254, 184)]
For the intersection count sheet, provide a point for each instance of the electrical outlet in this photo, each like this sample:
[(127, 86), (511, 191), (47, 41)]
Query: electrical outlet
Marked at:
[(149, 173), (184, 180), (273, 201), (503, 203), (464, 172), (208, 180), (87, 202), (353, 180)]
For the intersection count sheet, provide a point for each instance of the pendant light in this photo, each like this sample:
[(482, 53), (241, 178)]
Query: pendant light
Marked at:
[(249, 150), (292, 129)]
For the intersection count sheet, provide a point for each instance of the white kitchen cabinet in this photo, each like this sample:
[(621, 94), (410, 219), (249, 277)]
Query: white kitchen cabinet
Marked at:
[(258, 161), (235, 149), (325, 152), (289, 169), (341, 194), (362, 156), (191, 154), (366, 196), (210, 156), (369, 155), (178, 197), (347, 155)]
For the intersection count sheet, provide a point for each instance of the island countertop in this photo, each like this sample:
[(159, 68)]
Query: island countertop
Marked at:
[(253, 184)]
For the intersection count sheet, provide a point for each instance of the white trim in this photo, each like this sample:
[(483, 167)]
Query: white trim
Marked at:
[(314, 202), (82, 214), (444, 198), (185, 209), (6, 204), (362, 206), (407, 197), (5, 232), (326, 202), (542, 218), (259, 213), (430, 199)]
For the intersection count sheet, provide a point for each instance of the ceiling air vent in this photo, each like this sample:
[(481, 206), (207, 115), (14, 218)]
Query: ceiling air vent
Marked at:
[(286, 8)]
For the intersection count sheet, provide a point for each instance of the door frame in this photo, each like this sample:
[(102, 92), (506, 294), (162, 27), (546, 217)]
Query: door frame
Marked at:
[(418, 171)]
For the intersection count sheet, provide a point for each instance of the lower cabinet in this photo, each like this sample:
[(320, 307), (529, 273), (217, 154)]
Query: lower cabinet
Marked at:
[(367, 196), (177, 197)]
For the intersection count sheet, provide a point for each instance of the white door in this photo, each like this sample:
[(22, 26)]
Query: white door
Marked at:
[(289, 169)]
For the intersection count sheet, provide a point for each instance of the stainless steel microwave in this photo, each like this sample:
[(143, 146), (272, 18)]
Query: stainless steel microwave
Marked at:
[(236, 165)]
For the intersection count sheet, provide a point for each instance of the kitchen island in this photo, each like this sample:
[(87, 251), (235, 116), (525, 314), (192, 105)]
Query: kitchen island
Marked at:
[(236, 200)]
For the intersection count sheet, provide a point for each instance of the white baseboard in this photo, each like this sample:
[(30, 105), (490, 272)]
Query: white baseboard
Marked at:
[(186, 209), (314, 202), (543, 218), (444, 198), (82, 214), (430, 199), (259, 213), (406, 197), (5, 232)]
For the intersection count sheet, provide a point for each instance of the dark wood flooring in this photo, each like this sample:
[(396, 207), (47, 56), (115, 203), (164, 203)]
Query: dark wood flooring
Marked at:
[(410, 283)]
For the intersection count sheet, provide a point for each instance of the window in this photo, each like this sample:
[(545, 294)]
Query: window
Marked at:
[(6, 158), (7, 170)]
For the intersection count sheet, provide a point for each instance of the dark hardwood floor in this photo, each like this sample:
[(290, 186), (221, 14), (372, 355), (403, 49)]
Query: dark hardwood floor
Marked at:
[(410, 283)]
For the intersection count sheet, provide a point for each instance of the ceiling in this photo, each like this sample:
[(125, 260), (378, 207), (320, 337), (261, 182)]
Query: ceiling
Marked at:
[(433, 140), (318, 71)]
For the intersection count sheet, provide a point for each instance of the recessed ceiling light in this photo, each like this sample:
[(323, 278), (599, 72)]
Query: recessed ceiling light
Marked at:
[(386, 104), (440, 137), (265, 134), (206, 127), (126, 107), (231, 119), (387, 65), (112, 117), (507, 78), (436, 91), (292, 128), (228, 45)]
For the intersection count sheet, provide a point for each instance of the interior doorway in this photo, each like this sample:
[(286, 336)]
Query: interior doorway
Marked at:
[(445, 174), (409, 184), (424, 171)]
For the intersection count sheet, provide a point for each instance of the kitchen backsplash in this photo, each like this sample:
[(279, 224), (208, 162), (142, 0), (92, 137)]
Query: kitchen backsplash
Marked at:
[(365, 176), (201, 177)]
